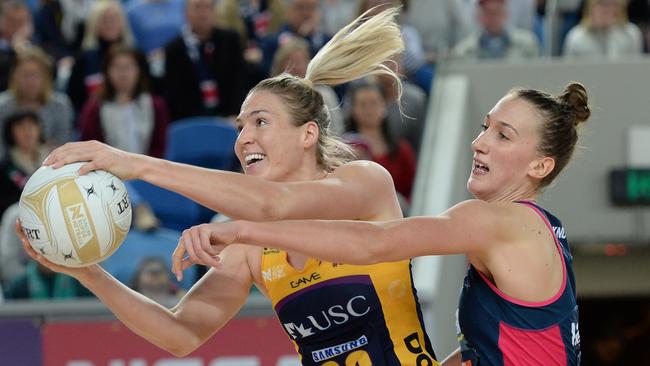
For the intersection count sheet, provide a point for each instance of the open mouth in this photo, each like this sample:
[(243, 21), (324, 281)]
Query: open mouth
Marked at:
[(480, 168), (252, 159)]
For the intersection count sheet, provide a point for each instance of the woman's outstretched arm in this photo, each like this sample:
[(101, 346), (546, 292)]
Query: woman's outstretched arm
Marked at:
[(469, 227), (357, 190)]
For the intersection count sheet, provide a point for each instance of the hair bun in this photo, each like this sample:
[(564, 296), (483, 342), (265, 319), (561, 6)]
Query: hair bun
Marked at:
[(574, 97)]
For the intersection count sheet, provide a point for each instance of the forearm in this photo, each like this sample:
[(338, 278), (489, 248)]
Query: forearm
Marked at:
[(143, 316), (351, 242), (232, 194)]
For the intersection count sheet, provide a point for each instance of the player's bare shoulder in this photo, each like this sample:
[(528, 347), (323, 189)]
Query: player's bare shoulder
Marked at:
[(367, 173)]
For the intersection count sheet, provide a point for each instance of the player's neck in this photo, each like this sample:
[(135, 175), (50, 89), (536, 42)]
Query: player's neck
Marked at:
[(309, 169)]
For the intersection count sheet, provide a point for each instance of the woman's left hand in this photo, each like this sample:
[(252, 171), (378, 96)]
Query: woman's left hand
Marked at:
[(203, 245)]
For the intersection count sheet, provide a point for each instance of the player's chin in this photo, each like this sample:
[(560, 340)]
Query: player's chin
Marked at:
[(476, 188)]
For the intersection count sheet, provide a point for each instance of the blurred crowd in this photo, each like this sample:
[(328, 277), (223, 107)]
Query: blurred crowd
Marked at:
[(127, 72)]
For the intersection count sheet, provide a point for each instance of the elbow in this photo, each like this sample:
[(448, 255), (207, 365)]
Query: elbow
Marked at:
[(182, 342), (179, 351), (184, 348)]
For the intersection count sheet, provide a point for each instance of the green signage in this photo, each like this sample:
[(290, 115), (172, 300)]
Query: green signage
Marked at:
[(629, 187)]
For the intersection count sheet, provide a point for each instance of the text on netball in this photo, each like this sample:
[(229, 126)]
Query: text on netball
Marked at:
[(123, 205), (33, 234)]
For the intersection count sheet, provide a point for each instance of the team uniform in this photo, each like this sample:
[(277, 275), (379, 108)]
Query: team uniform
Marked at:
[(346, 315), (497, 330)]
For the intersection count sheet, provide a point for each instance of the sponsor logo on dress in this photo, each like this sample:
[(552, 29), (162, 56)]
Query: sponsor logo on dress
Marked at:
[(330, 352), (559, 231), (575, 335), (356, 307), (273, 273), (305, 280)]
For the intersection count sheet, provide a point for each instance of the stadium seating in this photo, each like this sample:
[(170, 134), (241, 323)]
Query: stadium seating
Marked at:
[(202, 141)]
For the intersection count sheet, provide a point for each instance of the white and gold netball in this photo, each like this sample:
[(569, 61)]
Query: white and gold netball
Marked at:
[(74, 220)]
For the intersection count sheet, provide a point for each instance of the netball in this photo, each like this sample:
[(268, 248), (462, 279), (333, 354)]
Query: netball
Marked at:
[(74, 220)]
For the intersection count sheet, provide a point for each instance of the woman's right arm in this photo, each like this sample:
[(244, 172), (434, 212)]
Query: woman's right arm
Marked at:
[(357, 190), (208, 306)]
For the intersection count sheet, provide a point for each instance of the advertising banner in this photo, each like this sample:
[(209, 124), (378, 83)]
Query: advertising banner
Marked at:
[(242, 342)]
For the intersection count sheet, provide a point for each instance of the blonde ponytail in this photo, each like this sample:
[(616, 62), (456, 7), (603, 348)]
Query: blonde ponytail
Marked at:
[(358, 50)]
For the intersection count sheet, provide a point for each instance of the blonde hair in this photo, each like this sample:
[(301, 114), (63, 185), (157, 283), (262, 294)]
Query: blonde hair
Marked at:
[(44, 62), (358, 50), (91, 38), (586, 14)]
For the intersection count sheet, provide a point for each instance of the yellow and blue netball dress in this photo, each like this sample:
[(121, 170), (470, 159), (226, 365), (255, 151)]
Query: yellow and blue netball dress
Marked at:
[(497, 330), (346, 315)]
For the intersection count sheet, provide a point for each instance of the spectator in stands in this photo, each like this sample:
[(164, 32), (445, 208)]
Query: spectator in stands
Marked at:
[(368, 120), (106, 26), (406, 119), (303, 19), (155, 22), (59, 26), (30, 86), (23, 139), (40, 283), (442, 23), (124, 114), (604, 32), (15, 31), (494, 40), (292, 58), (47, 24), (153, 280), (254, 20), (337, 13), (204, 67), (521, 13), (72, 22)]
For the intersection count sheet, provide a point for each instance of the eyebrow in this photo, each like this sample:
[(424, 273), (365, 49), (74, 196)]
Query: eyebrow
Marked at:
[(505, 124), (252, 113)]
